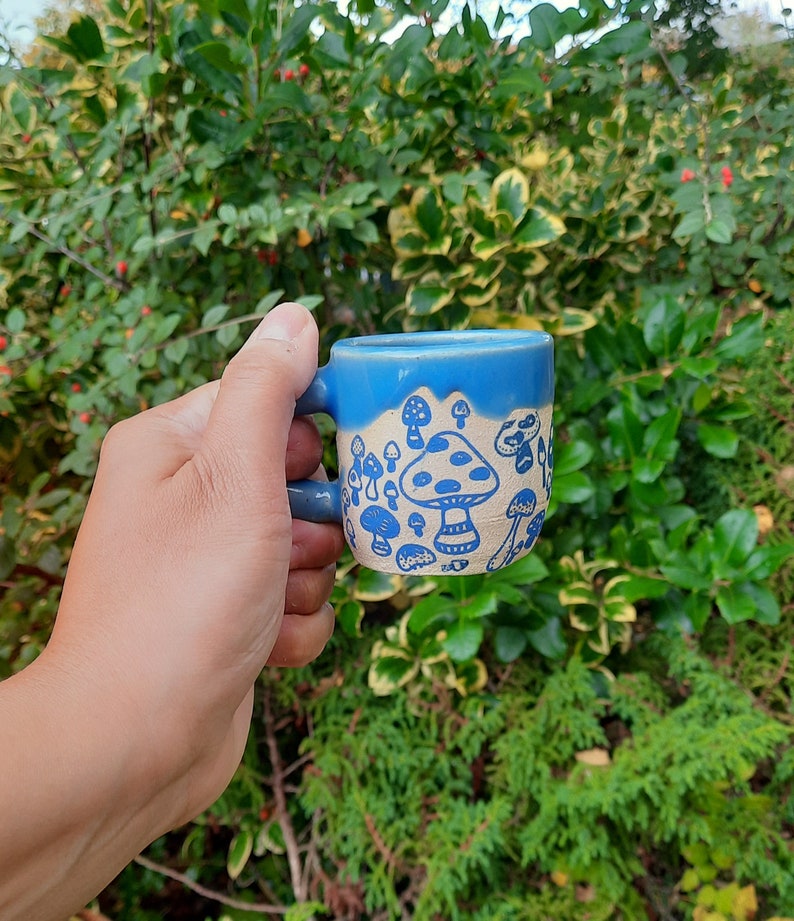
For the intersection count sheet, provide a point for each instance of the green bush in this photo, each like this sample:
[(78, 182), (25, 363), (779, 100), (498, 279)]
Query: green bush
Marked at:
[(538, 742)]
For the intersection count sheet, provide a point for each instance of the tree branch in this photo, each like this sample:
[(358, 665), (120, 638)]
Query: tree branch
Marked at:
[(264, 908)]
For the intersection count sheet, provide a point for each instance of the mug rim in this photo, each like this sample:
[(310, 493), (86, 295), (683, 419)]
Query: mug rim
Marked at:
[(441, 341)]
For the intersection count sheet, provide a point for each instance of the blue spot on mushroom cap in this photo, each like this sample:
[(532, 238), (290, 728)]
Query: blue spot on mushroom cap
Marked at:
[(460, 458), (479, 474), (446, 486)]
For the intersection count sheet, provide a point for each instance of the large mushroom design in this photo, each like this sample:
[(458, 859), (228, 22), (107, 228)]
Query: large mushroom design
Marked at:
[(450, 475)]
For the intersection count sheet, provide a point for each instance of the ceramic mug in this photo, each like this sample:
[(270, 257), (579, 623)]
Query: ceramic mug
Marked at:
[(445, 446)]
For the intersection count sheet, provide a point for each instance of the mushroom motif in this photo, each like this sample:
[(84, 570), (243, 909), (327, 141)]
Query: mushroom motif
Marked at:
[(416, 522), (534, 527), (354, 481), (351, 532), (521, 506), (391, 493), (373, 469), (461, 412), (514, 439), (391, 454), (416, 414), (450, 475), (345, 500), (382, 525), (414, 556)]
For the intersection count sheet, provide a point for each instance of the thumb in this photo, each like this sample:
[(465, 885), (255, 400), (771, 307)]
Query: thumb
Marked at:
[(249, 422)]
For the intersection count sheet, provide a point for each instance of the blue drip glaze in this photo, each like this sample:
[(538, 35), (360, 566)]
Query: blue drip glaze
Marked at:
[(495, 370)]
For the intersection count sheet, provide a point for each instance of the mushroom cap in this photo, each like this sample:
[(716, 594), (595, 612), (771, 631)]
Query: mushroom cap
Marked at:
[(357, 446), (416, 519), (390, 488), (461, 409), (416, 410), (460, 475), (372, 466), (378, 520), (414, 556), (522, 503), (392, 451)]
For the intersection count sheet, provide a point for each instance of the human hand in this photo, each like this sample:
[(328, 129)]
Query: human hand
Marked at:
[(188, 575), (188, 557)]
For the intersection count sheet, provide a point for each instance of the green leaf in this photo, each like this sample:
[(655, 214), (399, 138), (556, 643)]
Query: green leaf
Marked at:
[(537, 228), (86, 39), (718, 440), (735, 604), (425, 298), (242, 844), (429, 213), (690, 224), (463, 639), (15, 320), (509, 643), (572, 488), (547, 26), (664, 327), (735, 537), (219, 55), (549, 640), (350, 614), (376, 586), (719, 231), (572, 456), (510, 194), (745, 338)]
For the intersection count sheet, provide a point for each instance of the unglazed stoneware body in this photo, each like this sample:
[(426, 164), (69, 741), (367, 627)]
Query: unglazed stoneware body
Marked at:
[(445, 444)]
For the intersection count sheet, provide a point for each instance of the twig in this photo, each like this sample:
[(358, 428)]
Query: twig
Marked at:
[(209, 893), (75, 257), (280, 797)]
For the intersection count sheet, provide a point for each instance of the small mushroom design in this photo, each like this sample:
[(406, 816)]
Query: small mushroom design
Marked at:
[(391, 454), (416, 522), (416, 415), (373, 470), (391, 493), (383, 527), (357, 448), (354, 482), (351, 533), (345, 500), (461, 412), (521, 506), (534, 528)]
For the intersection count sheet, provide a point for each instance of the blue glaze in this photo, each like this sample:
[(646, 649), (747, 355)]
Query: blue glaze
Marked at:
[(369, 374), (311, 500)]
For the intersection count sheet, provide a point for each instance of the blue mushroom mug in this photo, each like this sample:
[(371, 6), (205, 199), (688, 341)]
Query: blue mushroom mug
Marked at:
[(445, 445)]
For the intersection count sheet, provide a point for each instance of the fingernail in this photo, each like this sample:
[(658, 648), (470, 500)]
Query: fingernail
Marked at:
[(285, 322)]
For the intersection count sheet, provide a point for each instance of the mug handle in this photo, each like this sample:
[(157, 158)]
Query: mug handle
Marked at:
[(313, 500)]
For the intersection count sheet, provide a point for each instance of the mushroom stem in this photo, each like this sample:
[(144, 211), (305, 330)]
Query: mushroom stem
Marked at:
[(507, 550)]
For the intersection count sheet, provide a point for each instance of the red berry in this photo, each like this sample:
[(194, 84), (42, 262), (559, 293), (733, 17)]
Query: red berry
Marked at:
[(146, 310), (223, 113), (85, 418), (121, 267), (304, 70), (26, 139), (5, 371), (289, 74), (687, 175), (727, 176), (77, 387), (272, 257), (66, 290), (3, 343)]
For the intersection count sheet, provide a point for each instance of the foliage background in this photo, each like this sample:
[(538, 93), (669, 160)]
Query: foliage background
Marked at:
[(600, 731)]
